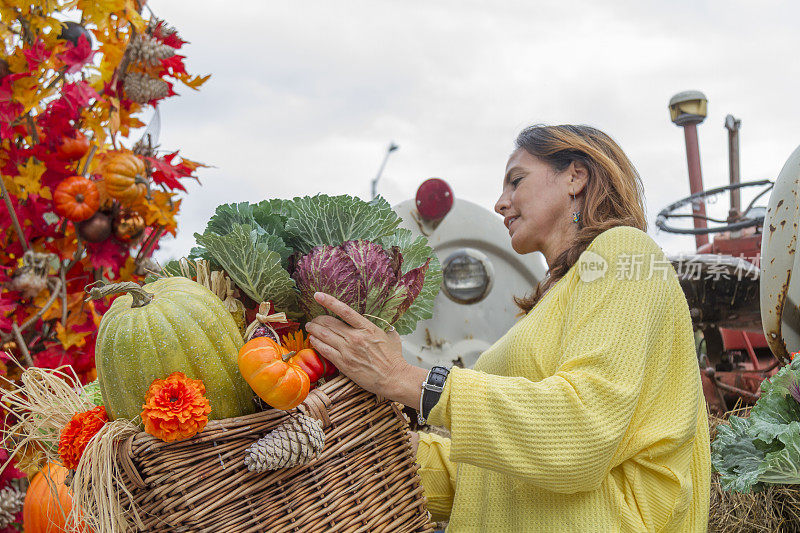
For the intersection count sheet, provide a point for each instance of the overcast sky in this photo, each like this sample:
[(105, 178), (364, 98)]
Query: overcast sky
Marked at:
[(306, 95)]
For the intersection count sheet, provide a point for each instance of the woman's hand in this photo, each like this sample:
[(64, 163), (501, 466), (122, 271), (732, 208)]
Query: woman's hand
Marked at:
[(365, 353)]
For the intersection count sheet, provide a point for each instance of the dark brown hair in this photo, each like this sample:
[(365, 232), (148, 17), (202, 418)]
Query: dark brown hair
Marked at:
[(613, 195)]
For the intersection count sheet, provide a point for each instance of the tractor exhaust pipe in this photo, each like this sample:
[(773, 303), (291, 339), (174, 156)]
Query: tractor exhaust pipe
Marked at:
[(733, 125), (688, 109)]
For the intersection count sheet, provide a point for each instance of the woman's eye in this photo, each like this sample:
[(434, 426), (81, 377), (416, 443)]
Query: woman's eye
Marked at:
[(515, 182)]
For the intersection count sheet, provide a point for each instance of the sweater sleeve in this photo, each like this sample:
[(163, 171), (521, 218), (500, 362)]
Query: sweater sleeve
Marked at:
[(437, 473), (562, 433)]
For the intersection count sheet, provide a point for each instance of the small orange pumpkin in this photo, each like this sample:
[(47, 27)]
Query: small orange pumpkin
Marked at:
[(46, 508), (76, 198), (125, 176), (267, 368)]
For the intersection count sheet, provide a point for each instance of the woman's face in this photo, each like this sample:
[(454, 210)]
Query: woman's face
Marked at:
[(537, 206)]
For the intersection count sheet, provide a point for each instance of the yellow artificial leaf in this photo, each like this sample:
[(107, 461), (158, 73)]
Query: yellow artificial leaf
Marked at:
[(98, 11), (28, 179), (112, 50), (70, 338), (11, 185), (161, 210), (27, 92), (127, 270), (17, 61), (133, 16)]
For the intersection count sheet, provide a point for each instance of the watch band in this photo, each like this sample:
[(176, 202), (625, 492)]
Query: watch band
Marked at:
[(432, 389)]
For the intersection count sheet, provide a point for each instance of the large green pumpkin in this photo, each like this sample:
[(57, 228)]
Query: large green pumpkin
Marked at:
[(180, 327)]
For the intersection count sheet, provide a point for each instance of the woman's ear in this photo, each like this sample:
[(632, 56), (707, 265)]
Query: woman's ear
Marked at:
[(578, 177)]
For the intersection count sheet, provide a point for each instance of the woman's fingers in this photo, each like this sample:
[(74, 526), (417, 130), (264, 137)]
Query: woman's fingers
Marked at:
[(335, 338), (326, 350), (343, 310), (333, 324)]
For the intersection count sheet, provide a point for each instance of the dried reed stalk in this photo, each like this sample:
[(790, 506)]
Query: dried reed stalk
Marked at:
[(97, 487), (41, 406)]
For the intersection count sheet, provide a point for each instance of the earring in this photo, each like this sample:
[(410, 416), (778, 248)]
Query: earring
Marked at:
[(576, 215)]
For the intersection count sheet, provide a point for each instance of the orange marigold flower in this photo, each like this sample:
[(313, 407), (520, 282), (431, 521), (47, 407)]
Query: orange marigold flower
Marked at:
[(175, 408), (295, 341), (77, 434)]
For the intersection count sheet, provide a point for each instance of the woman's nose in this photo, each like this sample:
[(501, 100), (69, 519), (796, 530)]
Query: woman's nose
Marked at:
[(502, 204)]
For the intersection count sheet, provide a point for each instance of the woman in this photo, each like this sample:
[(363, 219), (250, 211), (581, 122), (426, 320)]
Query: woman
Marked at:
[(588, 415)]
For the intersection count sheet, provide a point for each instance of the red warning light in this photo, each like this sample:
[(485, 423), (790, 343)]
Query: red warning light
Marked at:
[(434, 199)]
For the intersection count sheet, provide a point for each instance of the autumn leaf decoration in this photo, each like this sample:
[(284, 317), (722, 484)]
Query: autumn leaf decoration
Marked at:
[(76, 79)]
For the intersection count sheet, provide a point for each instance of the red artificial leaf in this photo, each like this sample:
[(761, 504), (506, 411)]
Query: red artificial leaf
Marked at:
[(109, 254), (36, 54), (173, 66), (168, 173), (8, 304), (172, 40), (53, 356), (79, 94), (77, 56)]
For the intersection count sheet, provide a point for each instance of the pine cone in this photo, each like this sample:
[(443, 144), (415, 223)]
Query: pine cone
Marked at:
[(295, 442), (148, 50), (141, 88), (11, 500)]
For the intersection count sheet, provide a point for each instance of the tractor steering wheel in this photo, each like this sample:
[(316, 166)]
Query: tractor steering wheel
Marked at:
[(743, 222)]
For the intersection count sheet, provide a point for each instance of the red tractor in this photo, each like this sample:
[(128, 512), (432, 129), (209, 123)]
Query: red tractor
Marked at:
[(737, 283)]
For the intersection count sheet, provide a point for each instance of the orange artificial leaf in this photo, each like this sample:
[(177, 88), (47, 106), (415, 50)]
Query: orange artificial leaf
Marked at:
[(193, 82), (68, 338)]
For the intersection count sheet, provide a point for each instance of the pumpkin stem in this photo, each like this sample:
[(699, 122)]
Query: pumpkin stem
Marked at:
[(288, 356), (140, 296)]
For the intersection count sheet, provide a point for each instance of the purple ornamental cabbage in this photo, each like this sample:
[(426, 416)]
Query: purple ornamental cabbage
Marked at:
[(361, 274)]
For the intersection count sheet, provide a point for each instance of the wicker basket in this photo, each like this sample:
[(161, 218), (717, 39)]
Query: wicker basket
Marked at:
[(364, 480)]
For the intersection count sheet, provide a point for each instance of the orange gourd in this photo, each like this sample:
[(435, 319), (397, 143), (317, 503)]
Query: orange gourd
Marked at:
[(47, 507), (125, 176), (266, 367), (76, 198)]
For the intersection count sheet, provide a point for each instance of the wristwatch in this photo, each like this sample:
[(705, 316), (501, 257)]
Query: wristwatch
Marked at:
[(432, 389)]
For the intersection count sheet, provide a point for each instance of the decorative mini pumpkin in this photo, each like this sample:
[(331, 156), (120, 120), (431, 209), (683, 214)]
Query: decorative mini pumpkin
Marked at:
[(76, 198), (170, 325), (47, 508), (128, 226), (125, 177), (267, 367)]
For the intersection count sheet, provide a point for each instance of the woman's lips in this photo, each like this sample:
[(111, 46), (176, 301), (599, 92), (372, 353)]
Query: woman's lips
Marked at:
[(509, 221)]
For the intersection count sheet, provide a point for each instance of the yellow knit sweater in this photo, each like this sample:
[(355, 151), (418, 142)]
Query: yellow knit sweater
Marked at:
[(587, 416)]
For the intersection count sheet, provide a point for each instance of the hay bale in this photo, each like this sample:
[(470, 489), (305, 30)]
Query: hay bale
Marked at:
[(776, 509)]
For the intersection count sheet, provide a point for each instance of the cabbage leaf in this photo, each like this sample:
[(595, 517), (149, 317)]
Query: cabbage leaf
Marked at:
[(763, 448)]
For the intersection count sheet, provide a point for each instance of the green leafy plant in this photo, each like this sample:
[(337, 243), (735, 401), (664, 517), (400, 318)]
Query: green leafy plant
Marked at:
[(763, 448), (261, 245)]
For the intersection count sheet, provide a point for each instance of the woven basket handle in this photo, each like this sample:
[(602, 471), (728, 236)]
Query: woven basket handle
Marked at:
[(317, 404)]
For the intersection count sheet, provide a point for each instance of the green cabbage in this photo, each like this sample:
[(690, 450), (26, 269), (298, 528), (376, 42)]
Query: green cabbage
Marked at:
[(763, 448), (261, 246)]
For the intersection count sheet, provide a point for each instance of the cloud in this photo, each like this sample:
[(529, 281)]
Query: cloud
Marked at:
[(305, 97)]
